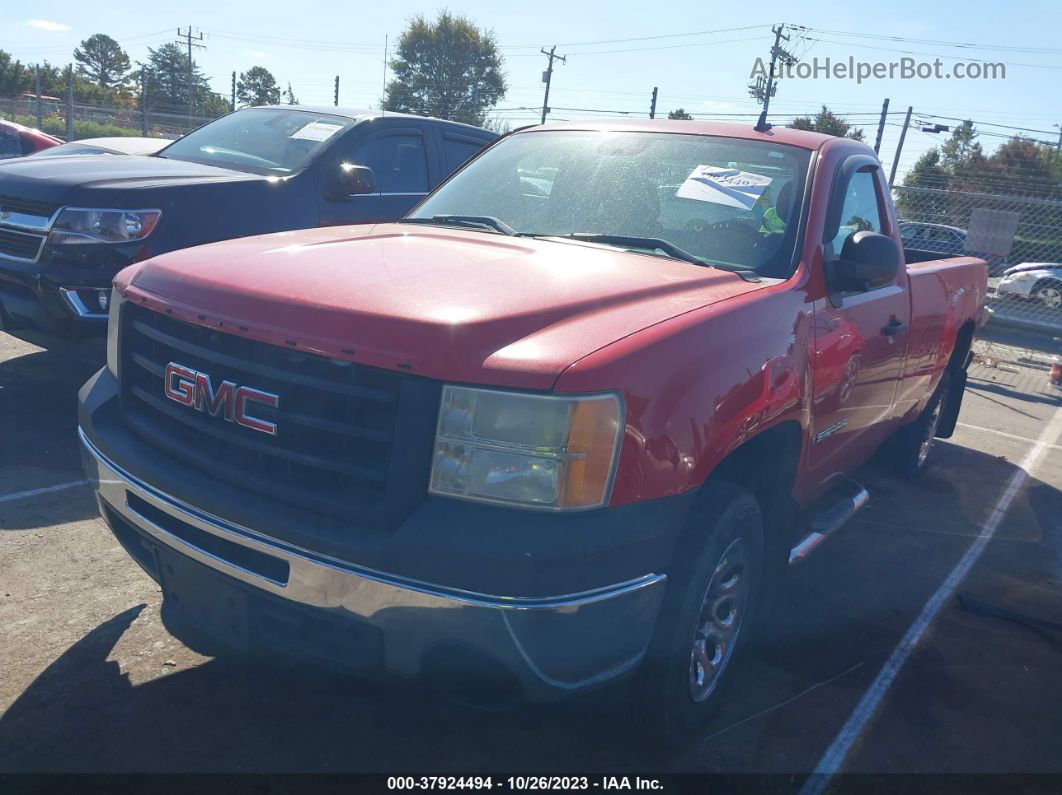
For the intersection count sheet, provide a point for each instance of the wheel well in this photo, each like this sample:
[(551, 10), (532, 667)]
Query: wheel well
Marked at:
[(766, 465), (963, 343), (1048, 280)]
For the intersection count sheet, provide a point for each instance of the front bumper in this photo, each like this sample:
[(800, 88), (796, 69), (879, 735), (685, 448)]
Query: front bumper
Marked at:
[(1020, 289), (341, 612), (32, 297)]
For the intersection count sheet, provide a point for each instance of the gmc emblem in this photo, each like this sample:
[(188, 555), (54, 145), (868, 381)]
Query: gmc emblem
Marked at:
[(192, 388)]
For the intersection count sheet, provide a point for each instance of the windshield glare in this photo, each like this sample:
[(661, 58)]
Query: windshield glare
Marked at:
[(728, 201), (259, 140)]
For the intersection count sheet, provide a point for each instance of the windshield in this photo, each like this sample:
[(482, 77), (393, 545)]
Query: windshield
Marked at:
[(259, 140), (728, 201)]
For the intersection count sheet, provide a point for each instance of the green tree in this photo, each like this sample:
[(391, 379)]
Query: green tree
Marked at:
[(214, 105), (14, 76), (961, 150), (1025, 165), (679, 113), (257, 86), (448, 68), (167, 80), (289, 96), (826, 121), (102, 61), (927, 172)]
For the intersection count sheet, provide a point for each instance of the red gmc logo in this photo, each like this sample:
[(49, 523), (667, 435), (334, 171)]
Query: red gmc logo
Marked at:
[(192, 388)]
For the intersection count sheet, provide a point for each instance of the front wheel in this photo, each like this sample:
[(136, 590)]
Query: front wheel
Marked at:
[(1049, 294), (705, 620)]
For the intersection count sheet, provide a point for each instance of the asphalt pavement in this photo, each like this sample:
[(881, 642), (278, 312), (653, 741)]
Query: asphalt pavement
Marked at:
[(923, 638)]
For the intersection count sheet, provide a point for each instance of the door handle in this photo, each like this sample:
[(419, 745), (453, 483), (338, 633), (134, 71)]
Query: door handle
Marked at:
[(893, 327)]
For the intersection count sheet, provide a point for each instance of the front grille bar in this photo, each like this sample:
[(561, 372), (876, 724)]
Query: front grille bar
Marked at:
[(262, 369)]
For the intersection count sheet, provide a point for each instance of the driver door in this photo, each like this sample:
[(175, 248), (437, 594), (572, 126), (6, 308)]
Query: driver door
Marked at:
[(860, 340), (398, 156)]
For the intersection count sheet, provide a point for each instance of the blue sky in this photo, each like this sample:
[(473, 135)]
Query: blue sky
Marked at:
[(607, 69)]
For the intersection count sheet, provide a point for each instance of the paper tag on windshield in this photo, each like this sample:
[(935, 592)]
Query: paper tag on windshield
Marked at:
[(728, 186), (316, 131)]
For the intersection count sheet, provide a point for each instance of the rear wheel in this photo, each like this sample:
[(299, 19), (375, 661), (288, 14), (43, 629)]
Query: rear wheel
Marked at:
[(710, 604)]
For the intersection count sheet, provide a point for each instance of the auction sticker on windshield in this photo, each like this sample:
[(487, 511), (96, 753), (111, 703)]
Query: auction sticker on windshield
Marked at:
[(729, 186), (316, 131)]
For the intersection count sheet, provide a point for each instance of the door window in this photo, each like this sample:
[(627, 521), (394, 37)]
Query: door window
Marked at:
[(457, 150), (398, 162), (861, 211), (10, 144)]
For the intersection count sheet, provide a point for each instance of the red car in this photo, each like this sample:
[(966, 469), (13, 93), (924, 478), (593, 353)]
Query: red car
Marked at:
[(19, 141), (570, 420)]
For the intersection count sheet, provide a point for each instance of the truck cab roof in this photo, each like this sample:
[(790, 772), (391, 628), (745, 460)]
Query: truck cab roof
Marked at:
[(365, 114), (782, 135)]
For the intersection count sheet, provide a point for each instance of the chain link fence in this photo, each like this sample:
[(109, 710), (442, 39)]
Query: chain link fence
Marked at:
[(1019, 236), (72, 121)]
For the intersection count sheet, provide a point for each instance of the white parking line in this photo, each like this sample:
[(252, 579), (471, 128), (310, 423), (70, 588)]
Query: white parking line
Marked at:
[(1006, 435), (21, 495), (835, 755)]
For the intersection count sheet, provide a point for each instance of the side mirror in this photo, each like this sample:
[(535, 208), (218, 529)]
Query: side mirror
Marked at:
[(356, 180), (868, 260)]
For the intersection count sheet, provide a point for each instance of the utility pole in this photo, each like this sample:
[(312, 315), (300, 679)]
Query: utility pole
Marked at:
[(547, 77), (190, 41), (652, 105), (70, 102), (899, 146), (37, 89), (337, 92), (1058, 146), (232, 101), (881, 125), (143, 99), (762, 90), (383, 95)]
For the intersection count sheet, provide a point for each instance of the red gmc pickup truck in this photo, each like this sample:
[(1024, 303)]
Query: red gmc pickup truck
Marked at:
[(567, 422)]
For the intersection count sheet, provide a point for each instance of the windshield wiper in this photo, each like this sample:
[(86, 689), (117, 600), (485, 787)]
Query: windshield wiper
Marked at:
[(473, 221), (648, 243)]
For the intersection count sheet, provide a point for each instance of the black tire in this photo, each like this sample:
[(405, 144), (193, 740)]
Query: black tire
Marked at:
[(1048, 293), (910, 448), (726, 520)]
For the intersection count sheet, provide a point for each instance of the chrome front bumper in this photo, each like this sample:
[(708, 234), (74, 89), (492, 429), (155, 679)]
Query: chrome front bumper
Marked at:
[(552, 645)]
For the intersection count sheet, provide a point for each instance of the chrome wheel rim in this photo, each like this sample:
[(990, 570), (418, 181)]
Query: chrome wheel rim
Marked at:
[(931, 430), (719, 621), (1051, 297)]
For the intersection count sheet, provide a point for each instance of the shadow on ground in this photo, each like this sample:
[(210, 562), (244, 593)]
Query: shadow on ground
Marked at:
[(842, 613)]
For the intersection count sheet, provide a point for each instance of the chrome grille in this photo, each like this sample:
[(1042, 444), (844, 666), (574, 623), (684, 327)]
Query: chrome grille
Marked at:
[(337, 422)]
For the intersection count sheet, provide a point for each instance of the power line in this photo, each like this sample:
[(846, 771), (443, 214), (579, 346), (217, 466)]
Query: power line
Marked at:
[(961, 45), (638, 38), (987, 123), (939, 55)]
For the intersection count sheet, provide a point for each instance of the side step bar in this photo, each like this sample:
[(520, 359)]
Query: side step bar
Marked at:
[(828, 516)]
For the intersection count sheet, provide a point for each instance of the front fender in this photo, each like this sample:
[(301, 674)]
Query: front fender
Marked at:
[(699, 385)]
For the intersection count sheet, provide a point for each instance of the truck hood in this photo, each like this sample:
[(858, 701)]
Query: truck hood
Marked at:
[(82, 178), (456, 305)]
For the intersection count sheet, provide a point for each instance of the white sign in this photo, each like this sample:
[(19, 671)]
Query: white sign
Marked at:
[(728, 186), (991, 231), (316, 131)]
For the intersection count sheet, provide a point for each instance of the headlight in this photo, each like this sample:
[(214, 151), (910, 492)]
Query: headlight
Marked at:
[(113, 314), (1022, 276), (535, 451), (76, 226)]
